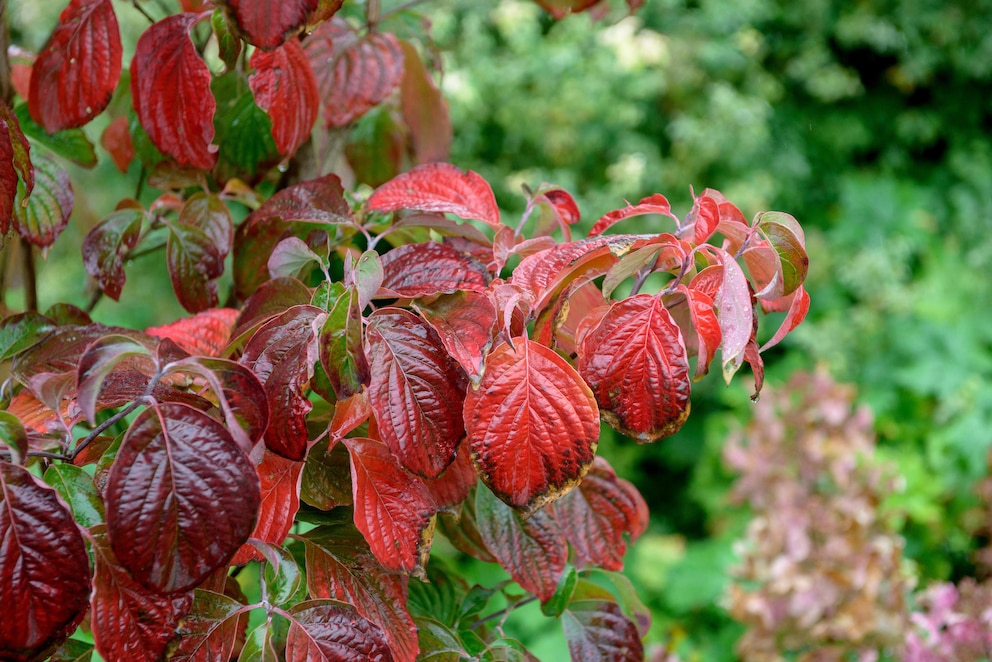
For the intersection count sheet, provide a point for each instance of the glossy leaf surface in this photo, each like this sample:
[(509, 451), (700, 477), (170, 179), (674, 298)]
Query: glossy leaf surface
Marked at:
[(170, 86), (44, 214), (44, 569), (173, 518), (332, 631), (465, 322), (15, 164), (532, 425), (75, 75), (107, 245), (635, 362), (417, 270), (284, 87), (279, 479), (415, 392), (210, 629), (194, 264), (455, 484), (439, 187)]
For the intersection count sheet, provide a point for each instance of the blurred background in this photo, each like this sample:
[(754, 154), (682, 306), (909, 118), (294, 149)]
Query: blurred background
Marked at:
[(871, 123)]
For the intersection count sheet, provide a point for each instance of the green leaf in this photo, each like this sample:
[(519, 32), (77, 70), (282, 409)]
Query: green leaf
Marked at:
[(342, 350), (326, 481), (266, 642), (438, 643), (76, 487), (228, 44), (243, 130), (14, 437), (282, 581), (785, 234), (21, 332), (41, 217), (623, 590), (71, 144), (290, 256), (143, 146), (73, 650), (563, 594)]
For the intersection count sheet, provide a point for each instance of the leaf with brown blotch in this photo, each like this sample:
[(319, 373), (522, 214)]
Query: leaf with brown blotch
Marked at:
[(532, 425), (635, 362), (533, 550), (393, 508), (44, 569), (74, 77), (170, 85), (416, 391), (599, 514), (181, 498), (285, 88), (439, 187)]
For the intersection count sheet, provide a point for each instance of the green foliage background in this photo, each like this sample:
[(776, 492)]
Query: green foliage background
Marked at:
[(870, 122)]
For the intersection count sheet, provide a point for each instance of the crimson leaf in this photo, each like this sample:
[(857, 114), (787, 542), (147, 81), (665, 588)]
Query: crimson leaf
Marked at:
[(15, 165), (75, 76), (280, 489), (354, 74), (465, 322), (282, 354), (170, 86), (706, 327), (393, 508), (174, 518), (107, 245), (532, 550), (44, 569), (331, 631), (455, 484), (204, 334), (284, 87), (416, 391), (532, 425), (419, 270), (439, 187), (44, 214), (655, 204), (129, 621), (268, 23), (559, 9), (635, 362), (798, 303), (733, 305)]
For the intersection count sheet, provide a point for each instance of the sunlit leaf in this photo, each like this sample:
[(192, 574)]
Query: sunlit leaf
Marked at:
[(439, 187), (203, 334)]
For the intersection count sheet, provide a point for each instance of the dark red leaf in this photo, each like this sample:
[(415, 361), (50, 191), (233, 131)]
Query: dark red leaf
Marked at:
[(598, 515), (532, 425), (798, 303), (455, 484), (635, 362), (204, 334), (58, 352), (106, 247), (599, 630), (211, 629), (170, 86), (282, 354), (103, 357), (194, 263), (706, 328), (129, 621), (332, 631), (354, 74), (439, 187), (116, 139), (425, 110), (75, 76), (47, 210), (326, 480), (272, 298), (15, 165), (655, 204), (559, 9), (342, 347), (181, 498), (465, 323), (532, 550), (316, 204), (393, 508), (419, 270), (268, 23), (280, 482), (284, 87), (340, 566), (415, 392), (208, 213), (44, 569)]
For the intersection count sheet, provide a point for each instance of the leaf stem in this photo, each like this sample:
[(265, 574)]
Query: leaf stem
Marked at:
[(642, 277), (372, 14), (30, 277), (502, 612), (98, 430)]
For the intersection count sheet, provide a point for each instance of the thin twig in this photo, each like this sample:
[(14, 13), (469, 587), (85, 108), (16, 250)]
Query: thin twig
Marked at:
[(502, 612), (44, 454), (30, 277), (142, 11), (98, 430)]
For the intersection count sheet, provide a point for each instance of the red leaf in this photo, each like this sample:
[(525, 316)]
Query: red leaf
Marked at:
[(599, 513), (340, 566), (798, 303), (465, 322), (420, 270), (425, 110), (532, 550), (559, 9), (704, 217), (655, 204), (354, 74), (393, 509), (268, 23), (733, 305), (706, 326), (282, 354), (194, 264), (272, 298), (208, 213), (75, 76), (204, 334), (284, 87), (331, 631), (455, 484), (21, 62), (44, 214), (532, 425), (170, 86), (44, 569), (106, 247), (173, 518), (130, 622), (15, 165), (415, 392), (211, 629), (635, 362), (599, 630), (439, 187), (280, 481)]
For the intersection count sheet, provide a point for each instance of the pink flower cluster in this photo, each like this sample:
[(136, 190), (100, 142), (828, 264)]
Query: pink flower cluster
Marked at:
[(955, 624)]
